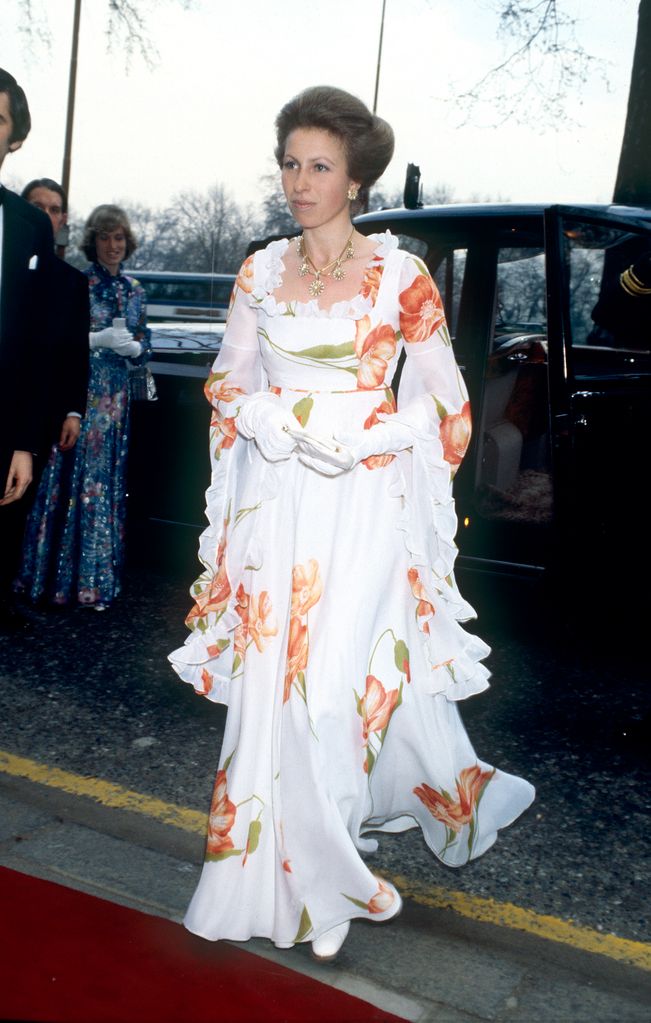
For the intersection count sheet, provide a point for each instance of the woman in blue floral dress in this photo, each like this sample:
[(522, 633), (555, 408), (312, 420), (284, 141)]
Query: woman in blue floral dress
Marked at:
[(74, 541)]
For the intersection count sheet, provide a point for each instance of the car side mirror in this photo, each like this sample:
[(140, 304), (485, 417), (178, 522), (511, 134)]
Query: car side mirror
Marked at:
[(411, 195)]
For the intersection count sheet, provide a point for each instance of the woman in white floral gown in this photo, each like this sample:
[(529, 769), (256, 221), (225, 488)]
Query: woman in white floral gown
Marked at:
[(327, 617)]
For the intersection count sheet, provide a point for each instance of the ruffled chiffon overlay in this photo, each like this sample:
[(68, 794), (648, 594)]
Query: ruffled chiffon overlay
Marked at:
[(328, 617)]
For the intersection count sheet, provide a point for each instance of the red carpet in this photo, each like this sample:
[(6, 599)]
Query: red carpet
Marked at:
[(68, 957)]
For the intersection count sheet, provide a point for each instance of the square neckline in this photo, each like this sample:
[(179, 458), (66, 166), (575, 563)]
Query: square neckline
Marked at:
[(343, 306)]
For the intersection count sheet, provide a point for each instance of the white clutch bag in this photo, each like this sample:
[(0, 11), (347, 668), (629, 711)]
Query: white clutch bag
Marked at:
[(326, 448)]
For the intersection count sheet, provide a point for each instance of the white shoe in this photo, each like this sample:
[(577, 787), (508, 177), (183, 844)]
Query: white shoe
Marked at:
[(284, 944), (397, 911), (327, 945)]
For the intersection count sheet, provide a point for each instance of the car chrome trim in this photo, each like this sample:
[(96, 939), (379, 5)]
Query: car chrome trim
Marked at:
[(174, 369)]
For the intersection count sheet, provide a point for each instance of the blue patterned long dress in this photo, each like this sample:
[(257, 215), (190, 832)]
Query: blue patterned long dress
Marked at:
[(74, 540)]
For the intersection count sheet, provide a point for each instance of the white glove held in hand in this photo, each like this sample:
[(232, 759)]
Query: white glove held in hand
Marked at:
[(130, 349), (385, 438), (110, 337), (263, 419), (348, 449)]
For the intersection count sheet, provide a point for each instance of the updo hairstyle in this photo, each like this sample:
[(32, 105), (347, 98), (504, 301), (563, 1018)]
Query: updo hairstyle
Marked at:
[(106, 218), (367, 139)]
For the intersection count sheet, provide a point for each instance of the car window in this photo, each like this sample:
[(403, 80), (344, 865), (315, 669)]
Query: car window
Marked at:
[(513, 481), (521, 305), (609, 330), (416, 246)]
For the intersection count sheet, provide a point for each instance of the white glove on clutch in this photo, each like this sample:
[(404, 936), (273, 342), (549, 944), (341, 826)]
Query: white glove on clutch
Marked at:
[(130, 349), (263, 419), (348, 449), (110, 337)]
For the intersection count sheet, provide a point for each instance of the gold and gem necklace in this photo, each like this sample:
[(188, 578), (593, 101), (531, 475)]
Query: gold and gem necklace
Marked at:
[(307, 266)]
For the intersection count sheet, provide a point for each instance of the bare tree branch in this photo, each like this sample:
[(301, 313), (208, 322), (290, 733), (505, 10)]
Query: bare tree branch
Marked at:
[(127, 29), (128, 26), (545, 65), (33, 27)]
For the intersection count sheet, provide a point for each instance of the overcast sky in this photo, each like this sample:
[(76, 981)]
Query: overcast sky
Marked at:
[(205, 112)]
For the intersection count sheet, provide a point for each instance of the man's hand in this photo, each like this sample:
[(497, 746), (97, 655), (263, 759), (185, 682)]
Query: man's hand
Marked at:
[(19, 477), (69, 433)]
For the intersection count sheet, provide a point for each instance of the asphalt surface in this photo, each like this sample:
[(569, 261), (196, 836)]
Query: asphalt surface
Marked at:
[(92, 693)]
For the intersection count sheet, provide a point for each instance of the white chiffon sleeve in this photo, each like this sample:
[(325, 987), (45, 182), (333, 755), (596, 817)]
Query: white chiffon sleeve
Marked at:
[(206, 658), (432, 397), (433, 402), (237, 371)]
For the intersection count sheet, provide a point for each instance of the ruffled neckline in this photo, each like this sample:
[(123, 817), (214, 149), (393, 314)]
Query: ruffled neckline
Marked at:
[(271, 268)]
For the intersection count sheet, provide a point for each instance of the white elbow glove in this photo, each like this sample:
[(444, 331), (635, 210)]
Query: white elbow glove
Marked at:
[(347, 449), (110, 337), (263, 419)]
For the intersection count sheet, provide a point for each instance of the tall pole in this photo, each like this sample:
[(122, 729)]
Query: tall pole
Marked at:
[(379, 58), (72, 83)]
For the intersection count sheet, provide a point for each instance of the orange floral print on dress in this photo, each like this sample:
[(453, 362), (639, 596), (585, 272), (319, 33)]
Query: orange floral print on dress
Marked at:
[(379, 461), (219, 390), (225, 426), (456, 431), (424, 610), (244, 279), (297, 650), (214, 598), (421, 309), (374, 349), (206, 682), (242, 603), (372, 281), (382, 900), (377, 706), (221, 818), (261, 625), (455, 813), (306, 587)]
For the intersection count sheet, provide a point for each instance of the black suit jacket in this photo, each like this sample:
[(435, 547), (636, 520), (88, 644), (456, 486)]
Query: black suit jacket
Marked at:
[(27, 259), (66, 345)]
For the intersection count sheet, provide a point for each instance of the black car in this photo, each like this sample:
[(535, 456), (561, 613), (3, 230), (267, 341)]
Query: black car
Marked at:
[(553, 485)]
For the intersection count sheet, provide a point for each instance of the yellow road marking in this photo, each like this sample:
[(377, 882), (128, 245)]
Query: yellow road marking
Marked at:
[(504, 914), (104, 792)]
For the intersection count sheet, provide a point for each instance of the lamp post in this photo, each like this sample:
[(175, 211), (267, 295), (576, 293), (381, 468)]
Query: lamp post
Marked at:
[(379, 57), (72, 84)]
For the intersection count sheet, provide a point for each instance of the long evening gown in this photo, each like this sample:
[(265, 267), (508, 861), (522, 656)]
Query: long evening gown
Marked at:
[(328, 618)]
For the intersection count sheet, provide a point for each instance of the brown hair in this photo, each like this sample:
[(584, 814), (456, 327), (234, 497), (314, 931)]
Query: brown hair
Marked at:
[(367, 139), (21, 122), (106, 218)]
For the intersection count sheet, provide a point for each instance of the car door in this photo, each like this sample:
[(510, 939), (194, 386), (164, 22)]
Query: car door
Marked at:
[(600, 398), (504, 490), (490, 269)]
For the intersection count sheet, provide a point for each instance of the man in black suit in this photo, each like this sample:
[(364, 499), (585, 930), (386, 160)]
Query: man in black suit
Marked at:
[(26, 260), (68, 324)]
